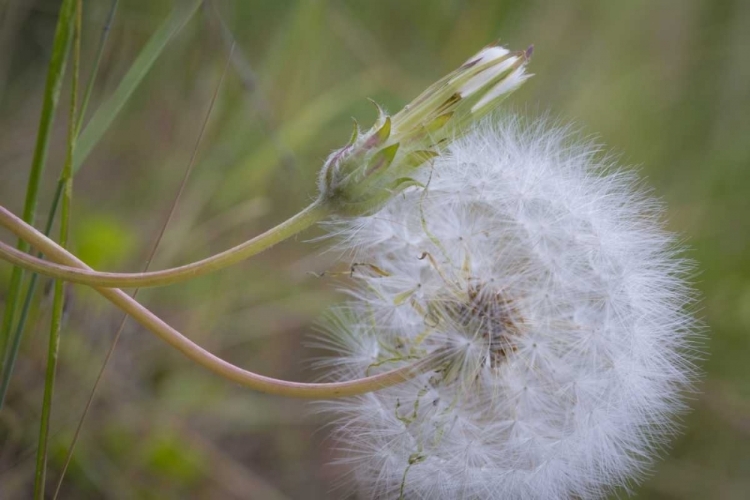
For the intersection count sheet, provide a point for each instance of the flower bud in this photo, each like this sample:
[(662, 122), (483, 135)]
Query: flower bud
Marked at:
[(379, 163)]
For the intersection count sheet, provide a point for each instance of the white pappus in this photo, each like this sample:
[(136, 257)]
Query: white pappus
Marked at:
[(542, 278)]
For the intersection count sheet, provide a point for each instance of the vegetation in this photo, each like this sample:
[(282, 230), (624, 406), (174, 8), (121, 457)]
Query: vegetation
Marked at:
[(662, 83)]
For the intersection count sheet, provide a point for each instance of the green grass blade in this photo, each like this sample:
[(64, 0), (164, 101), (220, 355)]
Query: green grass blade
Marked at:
[(106, 113), (59, 298), (149, 259), (60, 184), (97, 62), (94, 130), (16, 341), (55, 73)]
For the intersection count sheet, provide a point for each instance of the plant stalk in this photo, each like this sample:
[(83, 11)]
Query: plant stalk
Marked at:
[(315, 212), (59, 296), (55, 74), (206, 359)]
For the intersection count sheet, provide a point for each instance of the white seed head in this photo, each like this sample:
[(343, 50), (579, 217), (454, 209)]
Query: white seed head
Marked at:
[(544, 277)]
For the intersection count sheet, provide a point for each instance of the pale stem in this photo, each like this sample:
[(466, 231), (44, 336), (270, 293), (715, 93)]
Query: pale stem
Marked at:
[(204, 358), (315, 212)]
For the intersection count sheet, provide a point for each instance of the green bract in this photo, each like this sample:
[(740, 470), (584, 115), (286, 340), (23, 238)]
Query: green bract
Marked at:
[(378, 163)]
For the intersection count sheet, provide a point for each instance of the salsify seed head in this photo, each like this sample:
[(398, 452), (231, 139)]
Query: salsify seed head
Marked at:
[(542, 276), (379, 162)]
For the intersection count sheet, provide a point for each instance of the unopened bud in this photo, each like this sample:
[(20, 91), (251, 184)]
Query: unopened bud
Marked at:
[(379, 163)]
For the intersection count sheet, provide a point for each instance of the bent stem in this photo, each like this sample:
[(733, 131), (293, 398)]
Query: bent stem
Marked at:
[(314, 212), (204, 358)]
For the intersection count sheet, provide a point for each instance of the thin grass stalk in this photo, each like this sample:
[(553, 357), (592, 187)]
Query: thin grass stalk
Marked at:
[(59, 295), (95, 69), (28, 299), (106, 113), (55, 74), (149, 259)]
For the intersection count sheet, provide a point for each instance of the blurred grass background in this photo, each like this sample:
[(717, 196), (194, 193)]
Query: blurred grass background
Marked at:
[(665, 83)]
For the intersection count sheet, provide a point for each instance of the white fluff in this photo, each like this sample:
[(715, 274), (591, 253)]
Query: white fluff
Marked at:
[(544, 277)]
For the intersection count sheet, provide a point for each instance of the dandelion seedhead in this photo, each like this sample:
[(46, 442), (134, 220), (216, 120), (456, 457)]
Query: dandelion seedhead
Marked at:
[(543, 278), (379, 162)]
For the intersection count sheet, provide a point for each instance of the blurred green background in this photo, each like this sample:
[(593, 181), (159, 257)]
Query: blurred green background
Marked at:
[(664, 83)]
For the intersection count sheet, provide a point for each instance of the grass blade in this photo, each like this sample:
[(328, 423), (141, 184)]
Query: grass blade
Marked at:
[(95, 68), (106, 113), (59, 297), (60, 184), (101, 120), (152, 253), (55, 73)]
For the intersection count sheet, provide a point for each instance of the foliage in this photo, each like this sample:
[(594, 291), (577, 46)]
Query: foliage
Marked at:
[(663, 81)]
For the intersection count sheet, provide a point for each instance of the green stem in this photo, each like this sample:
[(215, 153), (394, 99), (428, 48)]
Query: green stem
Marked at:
[(16, 341), (204, 358), (55, 75), (149, 259), (314, 213), (20, 326), (99, 123), (95, 68), (59, 297)]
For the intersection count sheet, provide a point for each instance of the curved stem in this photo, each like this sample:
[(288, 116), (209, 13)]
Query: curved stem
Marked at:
[(204, 358), (314, 212)]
